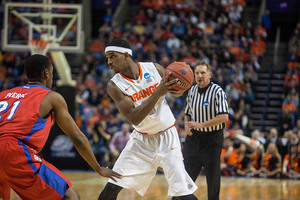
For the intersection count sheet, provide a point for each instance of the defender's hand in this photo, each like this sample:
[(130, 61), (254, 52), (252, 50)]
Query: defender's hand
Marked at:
[(106, 172)]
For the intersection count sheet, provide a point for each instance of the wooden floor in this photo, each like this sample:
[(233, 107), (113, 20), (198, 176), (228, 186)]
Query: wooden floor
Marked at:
[(89, 185)]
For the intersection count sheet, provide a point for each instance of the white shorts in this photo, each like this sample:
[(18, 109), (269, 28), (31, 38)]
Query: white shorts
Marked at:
[(142, 155)]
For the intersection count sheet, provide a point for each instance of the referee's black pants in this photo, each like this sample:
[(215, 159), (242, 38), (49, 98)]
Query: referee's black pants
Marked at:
[(204, 150)]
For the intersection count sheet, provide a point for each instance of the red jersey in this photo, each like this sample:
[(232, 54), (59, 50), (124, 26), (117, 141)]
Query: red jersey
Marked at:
[(19, 115)]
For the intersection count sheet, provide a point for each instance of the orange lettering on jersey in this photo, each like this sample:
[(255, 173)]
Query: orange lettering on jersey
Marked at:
[(144, 93), (135, 97), (141, 95)]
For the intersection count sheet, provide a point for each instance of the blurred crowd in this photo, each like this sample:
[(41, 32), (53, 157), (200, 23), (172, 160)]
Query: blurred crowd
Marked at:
[(175, 30), (275, 154)]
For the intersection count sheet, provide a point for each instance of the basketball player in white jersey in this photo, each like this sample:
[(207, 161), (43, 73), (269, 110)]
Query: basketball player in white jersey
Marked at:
[(139, 93)]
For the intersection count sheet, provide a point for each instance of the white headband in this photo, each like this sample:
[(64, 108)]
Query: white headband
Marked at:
[(118, 49)]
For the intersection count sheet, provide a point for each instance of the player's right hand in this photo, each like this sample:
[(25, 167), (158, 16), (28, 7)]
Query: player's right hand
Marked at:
[(166, 86), (106, 172)]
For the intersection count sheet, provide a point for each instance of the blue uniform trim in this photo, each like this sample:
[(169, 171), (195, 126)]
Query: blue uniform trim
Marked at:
[(28, 156), (38, 125), (50, 177), (53, 180), (30, 86)]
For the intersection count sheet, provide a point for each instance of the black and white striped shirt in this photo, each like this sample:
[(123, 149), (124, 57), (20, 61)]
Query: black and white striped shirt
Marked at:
[(203, 104)]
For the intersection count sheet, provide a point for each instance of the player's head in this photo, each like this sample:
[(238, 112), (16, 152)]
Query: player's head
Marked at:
[(202, 74), (117, 52), (38, 68)]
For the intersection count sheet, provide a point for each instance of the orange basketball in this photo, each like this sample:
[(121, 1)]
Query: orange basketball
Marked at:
[(183, 72)]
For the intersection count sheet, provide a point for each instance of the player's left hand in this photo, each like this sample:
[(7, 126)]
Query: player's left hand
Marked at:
[(106, 172)]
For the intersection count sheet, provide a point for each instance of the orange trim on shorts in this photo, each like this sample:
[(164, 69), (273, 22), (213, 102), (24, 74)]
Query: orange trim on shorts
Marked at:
[(155, 133)]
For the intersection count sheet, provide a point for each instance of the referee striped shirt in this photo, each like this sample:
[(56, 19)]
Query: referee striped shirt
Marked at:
[(203, 104)]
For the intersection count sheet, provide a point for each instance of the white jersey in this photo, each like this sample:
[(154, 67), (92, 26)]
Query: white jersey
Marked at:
[(161, 116)]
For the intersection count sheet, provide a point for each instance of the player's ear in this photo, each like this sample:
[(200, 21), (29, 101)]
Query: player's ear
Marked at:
[(46, 73), (127, 55)]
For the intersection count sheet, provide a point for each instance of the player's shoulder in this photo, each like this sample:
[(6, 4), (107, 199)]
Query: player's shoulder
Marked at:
[(54, 97), (147, 64), (112, 86)]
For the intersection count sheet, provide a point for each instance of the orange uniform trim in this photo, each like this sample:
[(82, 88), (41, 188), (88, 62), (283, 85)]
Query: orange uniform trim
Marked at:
[(155, 133), (129, 79)]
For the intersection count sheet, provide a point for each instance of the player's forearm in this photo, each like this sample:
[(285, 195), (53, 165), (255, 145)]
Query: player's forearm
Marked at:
[(139, 113), (83, 146)]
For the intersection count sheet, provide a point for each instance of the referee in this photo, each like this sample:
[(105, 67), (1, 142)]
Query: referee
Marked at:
[(205, 115)]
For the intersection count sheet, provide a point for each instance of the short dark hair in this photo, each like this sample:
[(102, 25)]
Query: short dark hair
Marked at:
[(35, 65), (119, 43)]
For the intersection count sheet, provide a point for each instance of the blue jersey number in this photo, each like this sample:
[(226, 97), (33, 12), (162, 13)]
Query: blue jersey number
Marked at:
[(4, 107)]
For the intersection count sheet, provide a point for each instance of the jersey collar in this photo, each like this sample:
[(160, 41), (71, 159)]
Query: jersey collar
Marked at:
[(131, 80), (202, 90)]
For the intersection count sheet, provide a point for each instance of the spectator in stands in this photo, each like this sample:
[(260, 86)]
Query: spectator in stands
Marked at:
[(228, 157), (294, 139), (272, 137), (97, 46), (249, 96), (98, 137), (286, 121), (290, 163), (139, 28), (235, 12), (118, 142), (173, 43), (293, 96), (284, 143), (108, 17), (288, 108), (243, 161), (260, 31), (266, 21), (256, 160), (297, 127), (259, 136), (141, 16), (291, 75), (271, 163), (258, 47)]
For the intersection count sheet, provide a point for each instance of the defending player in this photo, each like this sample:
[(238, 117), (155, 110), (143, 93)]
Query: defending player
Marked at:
[(25, 122), (138, 91)]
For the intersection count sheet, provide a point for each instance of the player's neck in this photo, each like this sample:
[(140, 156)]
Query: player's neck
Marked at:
[(133, 72), (34, 83)]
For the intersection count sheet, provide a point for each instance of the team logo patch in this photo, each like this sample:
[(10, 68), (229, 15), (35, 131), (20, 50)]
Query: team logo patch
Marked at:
[(206, 103), (147, 77)]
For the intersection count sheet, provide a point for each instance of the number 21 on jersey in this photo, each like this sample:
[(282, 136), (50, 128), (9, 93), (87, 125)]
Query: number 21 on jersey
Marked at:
[(4, 107)]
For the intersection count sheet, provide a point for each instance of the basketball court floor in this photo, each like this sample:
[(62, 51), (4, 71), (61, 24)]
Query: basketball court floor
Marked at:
[(89, 185)]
